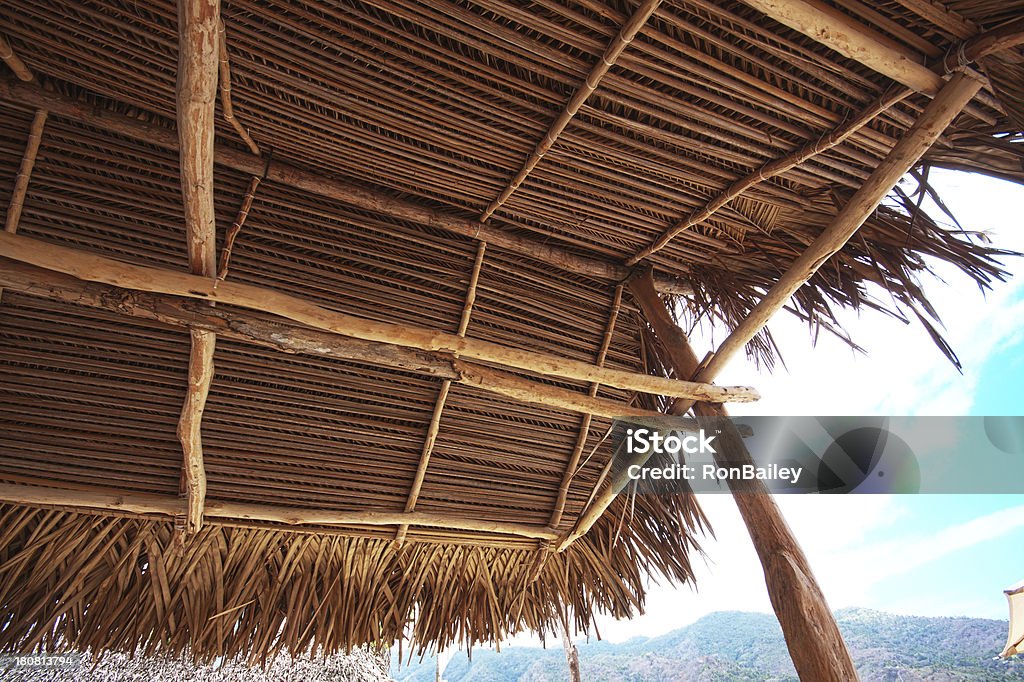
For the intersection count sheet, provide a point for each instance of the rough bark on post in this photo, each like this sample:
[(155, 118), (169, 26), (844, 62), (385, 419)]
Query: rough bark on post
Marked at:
[(198, 57)]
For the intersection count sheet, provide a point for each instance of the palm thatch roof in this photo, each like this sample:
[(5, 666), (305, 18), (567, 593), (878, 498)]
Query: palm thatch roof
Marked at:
[(373, 147)]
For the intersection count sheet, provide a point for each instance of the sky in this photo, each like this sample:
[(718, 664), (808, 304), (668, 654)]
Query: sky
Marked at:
[(930, 555)]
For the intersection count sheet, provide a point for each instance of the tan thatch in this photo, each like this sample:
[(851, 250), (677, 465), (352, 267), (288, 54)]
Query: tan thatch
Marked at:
[(387, 134)]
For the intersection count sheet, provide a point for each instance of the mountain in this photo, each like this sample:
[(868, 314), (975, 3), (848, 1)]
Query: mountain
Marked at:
[(742, 647)]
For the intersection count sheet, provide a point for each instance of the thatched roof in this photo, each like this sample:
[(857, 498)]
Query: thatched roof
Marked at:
[(386, 130)]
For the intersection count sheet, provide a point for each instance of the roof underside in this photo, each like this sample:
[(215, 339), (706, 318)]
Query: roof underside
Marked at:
[(437, 104)]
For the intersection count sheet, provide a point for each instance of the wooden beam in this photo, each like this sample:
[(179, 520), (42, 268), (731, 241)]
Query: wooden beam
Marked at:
[(1005, 37), (939, 113), (348, 193), (288, 337), (198, 38), (815, 644), (611, 54), (165, 505), (854, 40), (434, 427), (96, 268), (28, 162), (13, 61), (772, 169)]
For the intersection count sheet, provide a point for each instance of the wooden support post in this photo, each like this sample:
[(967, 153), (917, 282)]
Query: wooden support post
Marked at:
[(611, 54), (96, 268), (442, 397), (285, 336), (818, 650), (572, 654), (939, 113), (165, 505), (13, 61), (198, 38), (772, 169), (336, 189)]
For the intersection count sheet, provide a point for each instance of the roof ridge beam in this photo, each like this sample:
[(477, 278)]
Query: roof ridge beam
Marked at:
[(96, 268), (611, 54), (333, 188)]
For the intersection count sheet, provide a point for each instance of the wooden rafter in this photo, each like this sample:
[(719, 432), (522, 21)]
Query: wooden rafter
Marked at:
[(28, 162), (773, 168), (198, 56), (13, 61), (442, 397), (96, 268), (225, 91), (933, 121), (333, 188), (165, 505), (288, 337), (611, 54)]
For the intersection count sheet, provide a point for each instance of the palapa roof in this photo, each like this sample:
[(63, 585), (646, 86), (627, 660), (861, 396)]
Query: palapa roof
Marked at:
[(421, 113)]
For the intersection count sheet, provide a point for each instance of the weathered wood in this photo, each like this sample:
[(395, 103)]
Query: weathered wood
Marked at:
[(772, 169), (611, 54), (288, 337), (818, 650), (198, 22), (200, 377), (227, 108), (96, 268), (28, 162), (165, 505), (333, 188), (572, 655), (236, 228), (442, 397), (930, 125), (1004, 37), (853, 39), (13, 61)]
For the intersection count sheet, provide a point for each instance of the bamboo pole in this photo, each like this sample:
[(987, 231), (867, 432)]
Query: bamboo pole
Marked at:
[(236, 228), (442, 397), (772, 169), (936, 117), (165, 505), (333, 188), (198, 22), (288, 337), (13, 61), (28, 162), (611, 54), (226, 106), (96, 268)]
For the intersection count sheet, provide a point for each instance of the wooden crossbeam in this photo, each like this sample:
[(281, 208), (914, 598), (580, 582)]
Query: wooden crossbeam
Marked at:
[(434, 427), (285, 336), (167, 506), (611, 54), (198, 57), (333, 188), (96, 268)]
